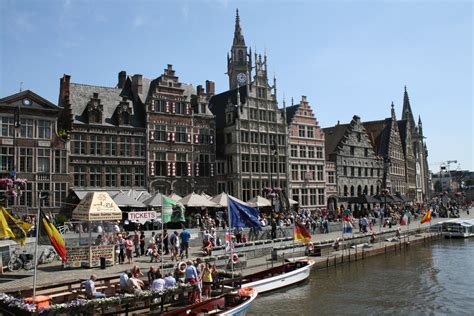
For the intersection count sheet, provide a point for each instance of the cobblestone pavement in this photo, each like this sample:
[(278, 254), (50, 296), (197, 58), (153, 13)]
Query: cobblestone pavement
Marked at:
[(52, 273)]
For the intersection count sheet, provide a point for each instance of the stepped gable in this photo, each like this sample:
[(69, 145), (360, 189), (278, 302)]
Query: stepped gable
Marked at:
[(333, 136)]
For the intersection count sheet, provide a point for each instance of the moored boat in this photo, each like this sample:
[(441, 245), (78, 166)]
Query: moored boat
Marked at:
[(278, 277), (233, 303), (457, 228)]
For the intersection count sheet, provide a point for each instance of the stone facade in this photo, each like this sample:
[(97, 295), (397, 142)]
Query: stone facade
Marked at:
[(181, 134), (307, 159), (108, 135), (31, 149), (251, 130), (359, 168)]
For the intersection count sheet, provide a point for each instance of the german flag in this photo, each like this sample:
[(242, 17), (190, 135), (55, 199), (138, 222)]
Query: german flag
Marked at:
[(301, 234), (426, 217), (47, 229)]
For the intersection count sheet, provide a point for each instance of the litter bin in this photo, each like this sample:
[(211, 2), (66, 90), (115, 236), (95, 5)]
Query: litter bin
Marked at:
[(102, 263)]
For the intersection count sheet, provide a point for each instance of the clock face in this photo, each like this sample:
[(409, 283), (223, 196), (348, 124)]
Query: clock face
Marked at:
[(26, 101), (241, 77)]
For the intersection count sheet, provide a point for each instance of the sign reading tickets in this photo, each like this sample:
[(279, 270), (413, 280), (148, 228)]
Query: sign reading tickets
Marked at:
[(142, 217), (97, 206)]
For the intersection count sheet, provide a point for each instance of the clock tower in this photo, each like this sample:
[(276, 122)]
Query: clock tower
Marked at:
[(238, 61)]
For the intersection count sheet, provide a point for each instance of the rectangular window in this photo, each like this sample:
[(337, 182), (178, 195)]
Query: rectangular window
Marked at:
[(110, 146), (26, 197), (204, 136), (304, 197), (181, 136), (246, 190), (95, 145), (282, 164), (263, 116), (60, 193), (181, 165), (160, 165), (221, 187), (319, 152), (43, 186), (6, 159), (95, 176), (125, 176), (353, 171), (344, 172), (230, 168), (110, 176), (160, 106), (311, 152), (309, 132), (8, 126), (79, 144), (26, 160), (331, 177), (264, 164), (139, 174), (294, 172), (302, 131), (255, 163), (204, 165), (244, 137), (245, 163), (366, 152), (43, 160), (303, 151), (352, 150), (294, 151), (302, 172), (312, 197), (160, 133), (26, 128), (79, 176), (139, 147), (321, 198), (320, 173), (125, 147), (254, 138), (312, 172), (263, 138), (60, 161), (44, 129), (296, 194)]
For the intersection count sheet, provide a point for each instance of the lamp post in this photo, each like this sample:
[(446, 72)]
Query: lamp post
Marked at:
[(42, 195)]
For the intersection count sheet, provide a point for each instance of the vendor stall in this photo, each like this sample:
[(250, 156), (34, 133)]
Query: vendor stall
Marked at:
[(94, 213)]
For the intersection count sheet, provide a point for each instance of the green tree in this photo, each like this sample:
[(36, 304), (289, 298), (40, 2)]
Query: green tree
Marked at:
[(438, 187)]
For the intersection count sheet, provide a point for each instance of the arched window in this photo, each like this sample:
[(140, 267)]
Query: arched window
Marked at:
[(345, 190), (241, 57), (359, 190), (366, 190), (371, 190), (352, 190)]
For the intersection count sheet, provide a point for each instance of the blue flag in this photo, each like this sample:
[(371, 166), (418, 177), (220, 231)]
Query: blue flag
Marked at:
[(242, 215)]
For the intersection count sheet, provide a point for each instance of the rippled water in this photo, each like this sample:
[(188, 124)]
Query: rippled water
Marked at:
[(436, 279)]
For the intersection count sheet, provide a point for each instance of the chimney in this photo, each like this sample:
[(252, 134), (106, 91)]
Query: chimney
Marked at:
[(199, 90), (121, 79), (137, 84), (64, 86), (210, 87), (303, 98)]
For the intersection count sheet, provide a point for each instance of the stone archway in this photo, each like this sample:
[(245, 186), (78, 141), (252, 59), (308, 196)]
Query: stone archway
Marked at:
[(162, 186)]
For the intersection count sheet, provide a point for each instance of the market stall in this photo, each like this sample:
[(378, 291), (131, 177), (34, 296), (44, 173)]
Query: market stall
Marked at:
[(95, 214)]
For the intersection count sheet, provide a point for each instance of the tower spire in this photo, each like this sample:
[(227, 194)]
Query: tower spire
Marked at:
[(238, 37), (407, 113), (393, 112)]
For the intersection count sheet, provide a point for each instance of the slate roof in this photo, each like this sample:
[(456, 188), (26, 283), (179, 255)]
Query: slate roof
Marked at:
[(333, 136), (290, 112), (110, 98), (379, 135), (218, 103), (402, 128)]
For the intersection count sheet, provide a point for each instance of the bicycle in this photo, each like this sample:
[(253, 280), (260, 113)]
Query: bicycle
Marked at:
[(20, 260), (47, 256)]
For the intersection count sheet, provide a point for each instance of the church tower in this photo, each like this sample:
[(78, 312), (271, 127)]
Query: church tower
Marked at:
[(238, 62)]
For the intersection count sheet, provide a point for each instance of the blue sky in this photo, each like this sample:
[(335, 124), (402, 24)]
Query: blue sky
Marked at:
[(348, 57)]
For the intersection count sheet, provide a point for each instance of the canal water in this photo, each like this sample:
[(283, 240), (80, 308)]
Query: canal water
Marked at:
[(430, 279)]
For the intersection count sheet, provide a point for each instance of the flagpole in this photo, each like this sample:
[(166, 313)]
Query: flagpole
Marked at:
[(36, 246), (230, 240), (162, 235)]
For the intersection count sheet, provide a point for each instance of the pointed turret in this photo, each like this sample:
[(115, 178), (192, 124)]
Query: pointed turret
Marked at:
[(420, 126), (393, 112), (407, 114), (238, 37)]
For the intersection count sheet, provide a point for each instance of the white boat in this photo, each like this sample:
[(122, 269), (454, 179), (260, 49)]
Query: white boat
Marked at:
[(457, 228), (231, 304), (278, 277)]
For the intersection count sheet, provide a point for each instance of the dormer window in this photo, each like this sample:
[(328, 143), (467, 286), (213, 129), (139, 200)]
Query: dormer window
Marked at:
[(94, 110), (123, 112)]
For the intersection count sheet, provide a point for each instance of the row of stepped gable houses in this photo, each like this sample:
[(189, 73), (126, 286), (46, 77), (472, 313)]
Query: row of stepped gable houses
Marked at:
[(147, 135)]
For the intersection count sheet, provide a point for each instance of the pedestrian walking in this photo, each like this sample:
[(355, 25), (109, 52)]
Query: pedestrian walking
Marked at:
[(142, 243)]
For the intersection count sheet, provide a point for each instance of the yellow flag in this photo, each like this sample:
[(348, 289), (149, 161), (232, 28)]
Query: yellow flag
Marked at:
[(13, 228)]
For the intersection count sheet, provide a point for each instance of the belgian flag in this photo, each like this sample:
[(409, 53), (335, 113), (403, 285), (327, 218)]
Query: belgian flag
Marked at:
[(11, 227), (301, 234), (49, 234)]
